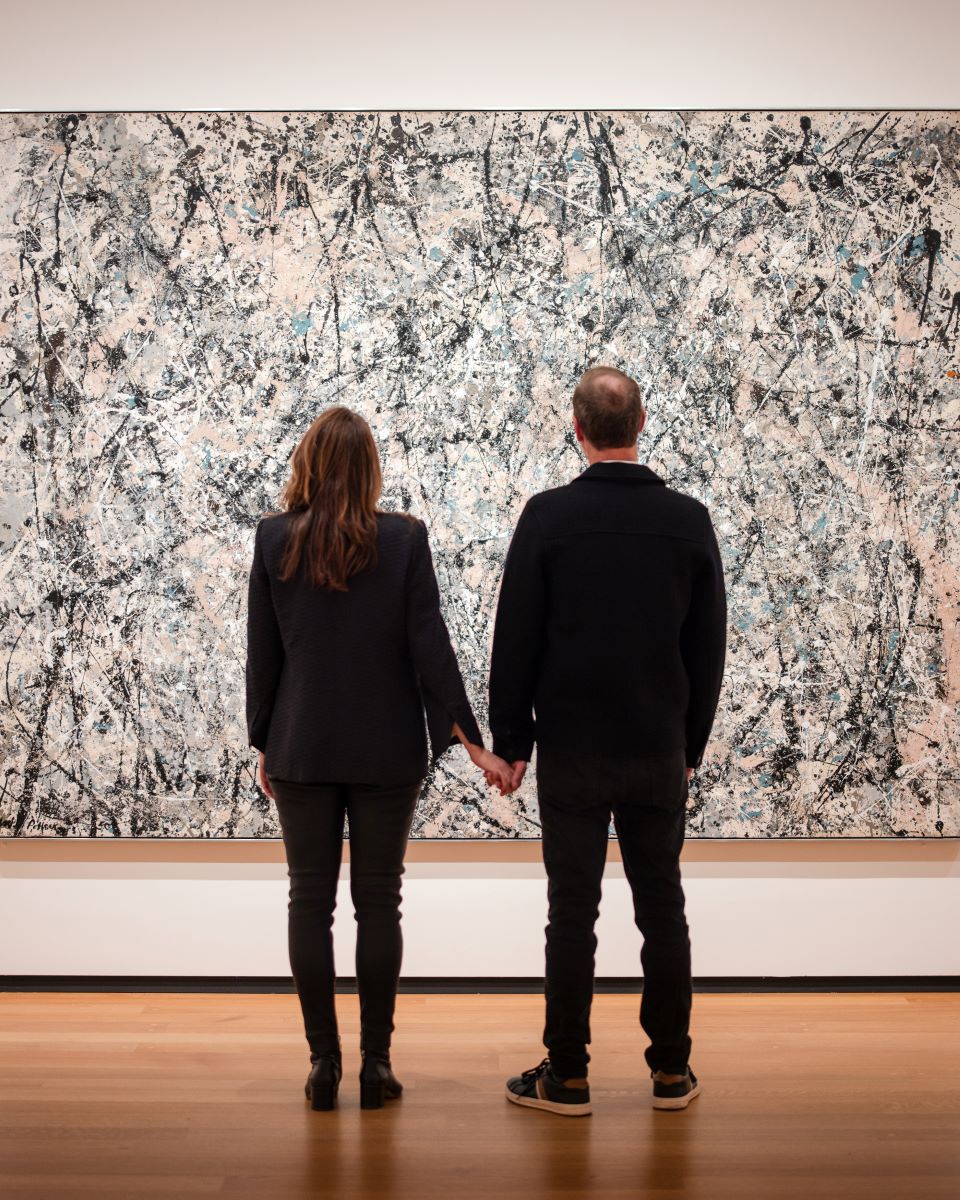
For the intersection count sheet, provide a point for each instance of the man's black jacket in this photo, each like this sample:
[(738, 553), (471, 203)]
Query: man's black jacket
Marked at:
[(337, 682), (611, 623)]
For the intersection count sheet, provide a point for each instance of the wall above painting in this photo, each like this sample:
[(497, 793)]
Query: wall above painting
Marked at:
[(183, 293)]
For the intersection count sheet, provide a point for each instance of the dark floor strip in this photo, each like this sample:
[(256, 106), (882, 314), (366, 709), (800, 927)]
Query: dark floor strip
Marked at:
[(480, 985)]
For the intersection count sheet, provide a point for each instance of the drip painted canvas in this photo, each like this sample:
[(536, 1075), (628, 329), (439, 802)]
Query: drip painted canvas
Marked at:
[(183, 293)]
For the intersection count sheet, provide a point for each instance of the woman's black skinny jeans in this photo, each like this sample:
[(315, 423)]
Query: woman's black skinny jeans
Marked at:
[(312, 823)]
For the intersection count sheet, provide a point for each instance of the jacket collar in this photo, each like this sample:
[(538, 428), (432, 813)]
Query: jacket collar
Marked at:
[(628, 473)]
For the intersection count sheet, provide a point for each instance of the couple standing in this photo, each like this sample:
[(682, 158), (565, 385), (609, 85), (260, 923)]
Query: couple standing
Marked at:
[(608, 654)]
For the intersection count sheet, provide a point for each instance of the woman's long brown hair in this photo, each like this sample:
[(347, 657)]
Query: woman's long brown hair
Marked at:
[(334, 486)]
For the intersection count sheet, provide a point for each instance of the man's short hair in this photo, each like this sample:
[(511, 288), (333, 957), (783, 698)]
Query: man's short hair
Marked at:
[(609, 407)]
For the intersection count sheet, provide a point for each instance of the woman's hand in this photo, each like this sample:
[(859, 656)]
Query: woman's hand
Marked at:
[(264, 781)]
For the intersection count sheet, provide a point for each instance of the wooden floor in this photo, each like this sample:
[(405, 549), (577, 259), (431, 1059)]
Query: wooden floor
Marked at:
[(185, 1095)]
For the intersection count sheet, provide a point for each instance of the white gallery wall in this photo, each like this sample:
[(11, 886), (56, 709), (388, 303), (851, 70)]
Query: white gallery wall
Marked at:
[(817, 912), (816, 916)]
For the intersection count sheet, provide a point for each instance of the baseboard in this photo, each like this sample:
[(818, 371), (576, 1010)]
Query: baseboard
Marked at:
[(470, 985)]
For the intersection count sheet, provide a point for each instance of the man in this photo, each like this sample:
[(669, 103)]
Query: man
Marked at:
[(611, 627)]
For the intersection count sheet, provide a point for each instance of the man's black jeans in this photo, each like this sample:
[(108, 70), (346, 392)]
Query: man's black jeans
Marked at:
[(312, 820), (646, 798)]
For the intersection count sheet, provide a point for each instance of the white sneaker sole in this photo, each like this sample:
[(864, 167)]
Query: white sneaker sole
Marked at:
[(562, 1110), (674, 1102)]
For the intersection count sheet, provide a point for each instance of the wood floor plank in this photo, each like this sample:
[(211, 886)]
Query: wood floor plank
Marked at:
[(167, 1095)]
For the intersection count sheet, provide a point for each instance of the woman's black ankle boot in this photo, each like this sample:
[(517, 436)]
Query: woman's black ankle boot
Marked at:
[(377, 1080), (323, 1081)]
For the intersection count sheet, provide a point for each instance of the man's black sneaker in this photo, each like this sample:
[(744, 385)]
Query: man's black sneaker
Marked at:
[(674, 1095), (540, 1088)]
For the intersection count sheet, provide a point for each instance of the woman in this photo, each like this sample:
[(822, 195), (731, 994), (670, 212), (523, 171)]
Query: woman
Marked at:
[(346, 648)]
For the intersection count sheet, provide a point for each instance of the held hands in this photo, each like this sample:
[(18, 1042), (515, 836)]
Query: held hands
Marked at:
[(495, 771), (517, 771)]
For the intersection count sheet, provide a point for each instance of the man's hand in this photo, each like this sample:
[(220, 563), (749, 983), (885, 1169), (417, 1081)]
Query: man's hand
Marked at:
[(519, 770), (264, 781)]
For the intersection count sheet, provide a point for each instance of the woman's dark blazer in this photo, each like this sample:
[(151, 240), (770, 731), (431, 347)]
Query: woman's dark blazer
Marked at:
[(338, 682)]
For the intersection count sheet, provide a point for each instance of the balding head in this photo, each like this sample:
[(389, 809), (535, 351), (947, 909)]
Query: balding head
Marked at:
[(609, 408)]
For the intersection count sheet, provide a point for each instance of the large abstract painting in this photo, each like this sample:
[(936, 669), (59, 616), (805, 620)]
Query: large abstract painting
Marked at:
[(183, 292)]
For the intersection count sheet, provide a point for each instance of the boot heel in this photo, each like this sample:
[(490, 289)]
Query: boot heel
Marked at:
[(372, 1095), (323, 1096)]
